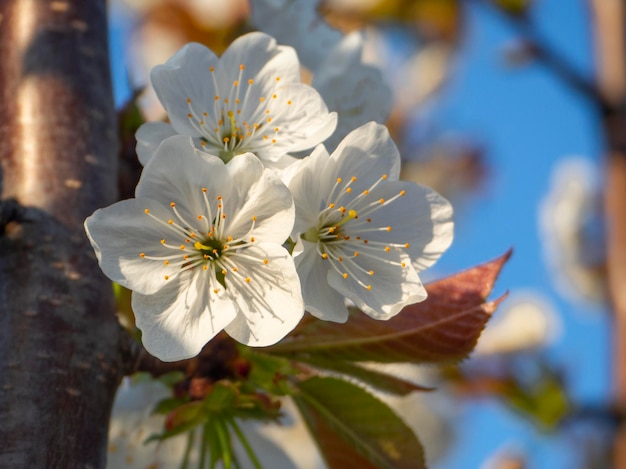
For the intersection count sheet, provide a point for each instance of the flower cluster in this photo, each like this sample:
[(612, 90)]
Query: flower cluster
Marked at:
[(229, 231)]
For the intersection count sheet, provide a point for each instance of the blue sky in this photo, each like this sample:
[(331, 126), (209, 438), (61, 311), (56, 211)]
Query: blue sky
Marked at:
[(526, 120)]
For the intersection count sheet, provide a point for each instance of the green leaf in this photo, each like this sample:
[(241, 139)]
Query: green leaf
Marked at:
[(376, 379), (268, 372), (442, 329), (354, 429)]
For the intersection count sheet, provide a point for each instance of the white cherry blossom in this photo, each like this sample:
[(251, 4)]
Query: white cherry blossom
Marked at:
[(201, 248), (297, 23), (250, 99), (361, 233), (355, 90)]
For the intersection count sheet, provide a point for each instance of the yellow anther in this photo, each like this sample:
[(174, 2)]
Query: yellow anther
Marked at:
[(146, 211), (365, 241), (172, 204), (236, 83), (203, 143), (235, 269), (345, 275), (166, 277), (384, 176), (289, 102), (250, 81), (403, 264), (170, 222), (261, 99), (265, 261), (273, 140), (186, 256), (229, 239), (369, 220), (166, 262), (339, 180), (182, 247), (216, 98), (348, 189), (274, 96), (188, 100), (324, 256), (331, 205), (242, 67), (205, 267), (402, 192), (340, 259), (206, 256), (277, 78), (388, 228), (387, 249), (369, 287), (365, 192), (371, 272), (247, 279), (226, 139), (356, 253), (142, 254), (353, 179), (216, 291), (252, 239), (163, 241), (407, 245), (199, 217), (211, 69), (253, 217), (224, 272), (382, 201)]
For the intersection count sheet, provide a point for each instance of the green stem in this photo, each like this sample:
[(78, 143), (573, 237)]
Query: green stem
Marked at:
[(188, 448), (224, 439), (245, 443)]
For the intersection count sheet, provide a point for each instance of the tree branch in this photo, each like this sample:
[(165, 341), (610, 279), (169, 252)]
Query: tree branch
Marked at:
[(60, 345)]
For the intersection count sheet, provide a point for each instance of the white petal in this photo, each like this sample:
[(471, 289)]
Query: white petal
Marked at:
[(393, 287), (185, 76), (367, 153), (177, 321), (149, 136), (265, 198), (177, 173), (120, 233), (296, 22), (320, 299), (355, 90), (263, 59), (305, 187), (421, 218), (270, 305), (302, 124)]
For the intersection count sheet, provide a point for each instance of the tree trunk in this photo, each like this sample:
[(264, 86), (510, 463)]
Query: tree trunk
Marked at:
[(60, 343)]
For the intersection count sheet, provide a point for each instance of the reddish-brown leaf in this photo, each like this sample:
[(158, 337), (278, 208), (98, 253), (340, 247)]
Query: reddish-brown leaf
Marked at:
[(444, 328)]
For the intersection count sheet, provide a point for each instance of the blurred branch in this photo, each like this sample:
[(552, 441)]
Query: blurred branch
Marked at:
[(542, 51)]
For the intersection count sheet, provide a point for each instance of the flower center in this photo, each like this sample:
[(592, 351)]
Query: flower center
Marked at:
[(347, 231), (203, 244), (241, 119)]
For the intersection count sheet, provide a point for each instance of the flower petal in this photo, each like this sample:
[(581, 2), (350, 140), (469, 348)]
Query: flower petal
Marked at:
[(367, 153), (120, 233), (296, 22), (320, 299), (185, 76), (393, 287), (178, 320), (149, 136), (305, 187), (177, 173), (264, 197), (270, 305)]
